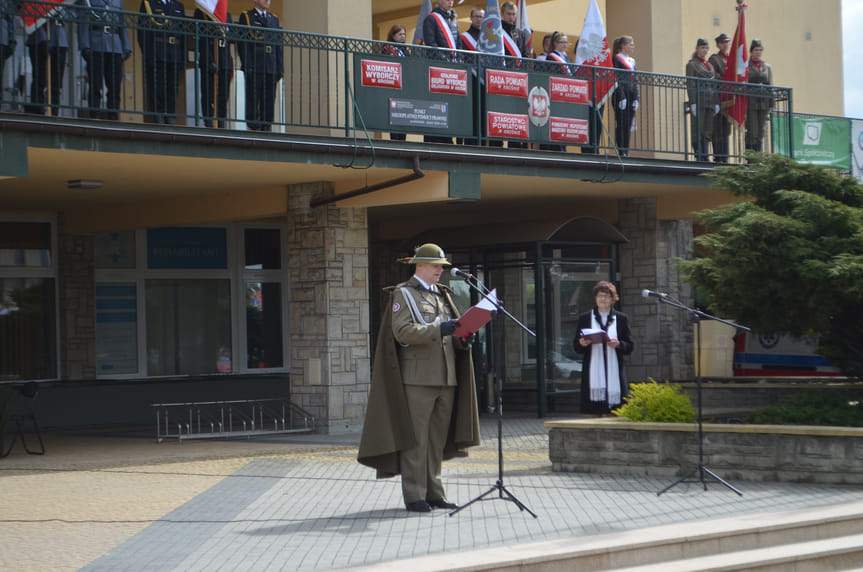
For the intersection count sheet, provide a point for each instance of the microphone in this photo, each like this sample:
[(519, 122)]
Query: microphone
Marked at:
[(648, 293), (455, 272)]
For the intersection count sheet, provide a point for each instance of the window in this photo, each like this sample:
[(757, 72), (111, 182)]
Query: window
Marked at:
[(28, 300)]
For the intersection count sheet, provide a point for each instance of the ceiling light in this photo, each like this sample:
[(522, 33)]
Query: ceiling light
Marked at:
[(83, 184)]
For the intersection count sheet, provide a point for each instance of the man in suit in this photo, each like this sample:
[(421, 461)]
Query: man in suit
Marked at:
[(163, 51), (105, 45), (263, 63), (440, 30), (47, 43), (217, 70), (422, 384)]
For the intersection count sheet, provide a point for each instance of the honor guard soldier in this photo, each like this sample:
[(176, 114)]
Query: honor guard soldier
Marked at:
[(47, 43), (217, 70), (263, 63), (163, 50), (105, 45)]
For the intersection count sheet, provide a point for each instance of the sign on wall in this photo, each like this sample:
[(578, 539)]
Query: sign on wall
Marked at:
[(815, 140)]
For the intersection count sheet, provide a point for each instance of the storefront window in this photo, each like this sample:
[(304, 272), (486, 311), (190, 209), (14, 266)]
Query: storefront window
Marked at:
[(264, 324), (28, 329), (25, 244), (263, 249), (188, 326)]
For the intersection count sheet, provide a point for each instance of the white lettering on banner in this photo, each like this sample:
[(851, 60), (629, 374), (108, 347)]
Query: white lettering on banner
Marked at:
[(507, 125), (381, 74), (446, 80), (568, 130), (568, 90), (500, 82)]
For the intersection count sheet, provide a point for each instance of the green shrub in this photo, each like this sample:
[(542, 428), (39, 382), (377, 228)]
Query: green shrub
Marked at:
[(811, 407), (657, 403)]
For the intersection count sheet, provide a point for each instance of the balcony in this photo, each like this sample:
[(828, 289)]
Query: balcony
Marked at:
[(325, 92)]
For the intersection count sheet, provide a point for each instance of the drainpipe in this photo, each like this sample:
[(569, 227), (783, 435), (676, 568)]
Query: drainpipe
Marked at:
[(417, 174)]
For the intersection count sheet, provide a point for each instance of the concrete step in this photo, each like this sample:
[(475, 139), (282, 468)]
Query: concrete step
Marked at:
[(828, 533), (841, 553)]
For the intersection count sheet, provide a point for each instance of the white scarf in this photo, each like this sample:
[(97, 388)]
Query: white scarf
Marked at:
[(604, 373)]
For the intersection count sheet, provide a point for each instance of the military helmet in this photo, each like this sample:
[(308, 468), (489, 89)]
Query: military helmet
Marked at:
[(429, 254)]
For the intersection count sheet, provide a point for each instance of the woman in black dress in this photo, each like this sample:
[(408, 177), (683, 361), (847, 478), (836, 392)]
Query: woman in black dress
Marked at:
[(603, 381)]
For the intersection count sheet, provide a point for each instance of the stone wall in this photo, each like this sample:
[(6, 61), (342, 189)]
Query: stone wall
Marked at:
[(734, 452), (662, 334), (329, 311), (77, 306)]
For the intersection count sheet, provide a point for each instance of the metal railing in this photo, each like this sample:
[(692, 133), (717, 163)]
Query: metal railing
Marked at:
[(316, 94), (224, 419)]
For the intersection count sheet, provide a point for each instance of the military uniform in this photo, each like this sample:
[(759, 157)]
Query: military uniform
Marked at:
[(759, 104), (47, 43), (263, 63), (721, 125), (422, 387), (704, 98), (104, 44), (163, 51), (7, 34), (217, 70)]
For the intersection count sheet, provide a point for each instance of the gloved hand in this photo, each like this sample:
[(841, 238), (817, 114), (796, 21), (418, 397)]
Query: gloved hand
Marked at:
[(716, 109), (692, 109), (635, 105), (86, 55), (622, 104), (448, 327)]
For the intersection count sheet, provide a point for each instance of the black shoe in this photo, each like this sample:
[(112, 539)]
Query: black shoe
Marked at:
[(418, 506), (442, 503)]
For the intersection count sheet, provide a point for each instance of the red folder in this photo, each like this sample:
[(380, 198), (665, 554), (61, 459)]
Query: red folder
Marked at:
[(476, 316), (595, 336)]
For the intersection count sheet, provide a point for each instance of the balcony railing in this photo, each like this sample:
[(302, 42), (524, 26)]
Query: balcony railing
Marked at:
[(319, 93)]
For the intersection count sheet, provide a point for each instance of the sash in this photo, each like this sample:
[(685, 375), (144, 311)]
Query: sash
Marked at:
[(625, 61), (554, 56), (469, 42), (444, 27), (509, 45)]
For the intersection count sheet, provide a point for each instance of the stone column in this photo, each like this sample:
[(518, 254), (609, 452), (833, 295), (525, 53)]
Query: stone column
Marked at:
[(663, 334), (77, 306), (328, 307)]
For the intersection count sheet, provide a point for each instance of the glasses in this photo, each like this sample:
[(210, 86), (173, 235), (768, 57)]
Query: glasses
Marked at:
[(603, 295)]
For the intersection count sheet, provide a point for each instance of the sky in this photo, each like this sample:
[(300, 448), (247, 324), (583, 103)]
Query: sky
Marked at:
[(852, 49)]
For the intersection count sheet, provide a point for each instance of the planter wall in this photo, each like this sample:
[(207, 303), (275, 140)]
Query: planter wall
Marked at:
[(734, 452)]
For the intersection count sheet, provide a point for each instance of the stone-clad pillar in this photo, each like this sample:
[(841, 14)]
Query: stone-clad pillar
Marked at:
[(663, 334), (328, 307), (77, 306)]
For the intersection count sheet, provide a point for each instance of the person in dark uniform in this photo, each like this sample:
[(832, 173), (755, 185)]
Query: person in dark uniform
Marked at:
[(422, 404), (163, 51), (7, 34), (263, 64), (105, 45), (47, 43), (759, 102), (603, 381), (703, 100), (217, 70), (721, 125), (625, 97)]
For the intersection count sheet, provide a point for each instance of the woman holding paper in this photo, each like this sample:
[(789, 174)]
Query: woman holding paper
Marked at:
[(604, 338)]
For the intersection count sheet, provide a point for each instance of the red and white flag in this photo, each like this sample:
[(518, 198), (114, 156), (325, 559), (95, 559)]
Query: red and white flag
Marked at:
[(593, 50), (523, 24), (35, 15), (215, 9), (734, 105)]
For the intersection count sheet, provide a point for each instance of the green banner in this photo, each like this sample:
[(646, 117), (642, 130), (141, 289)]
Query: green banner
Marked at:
[(816, 140)]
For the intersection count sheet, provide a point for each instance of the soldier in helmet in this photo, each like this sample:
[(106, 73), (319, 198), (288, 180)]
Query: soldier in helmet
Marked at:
[(422, 383)]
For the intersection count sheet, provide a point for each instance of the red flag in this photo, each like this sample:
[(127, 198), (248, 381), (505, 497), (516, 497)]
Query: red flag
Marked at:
[(215, 9), (593, 50), (34, 15), (734, 105)]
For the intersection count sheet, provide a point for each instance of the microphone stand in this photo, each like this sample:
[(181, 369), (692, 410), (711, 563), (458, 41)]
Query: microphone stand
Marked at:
[(503, 493), (700, 469)]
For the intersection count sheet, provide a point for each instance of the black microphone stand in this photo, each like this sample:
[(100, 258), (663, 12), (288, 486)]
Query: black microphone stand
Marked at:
[(700, 469), (497, 360)]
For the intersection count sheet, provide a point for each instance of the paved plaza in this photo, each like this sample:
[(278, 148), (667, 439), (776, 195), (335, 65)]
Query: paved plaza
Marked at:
[(117, 500)]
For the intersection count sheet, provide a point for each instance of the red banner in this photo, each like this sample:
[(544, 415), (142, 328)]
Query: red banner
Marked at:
[(737, 71), (499, 82), (507, 125), (447, 80), (568, 90), (566, 130), (34, 14), (382, 74)]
